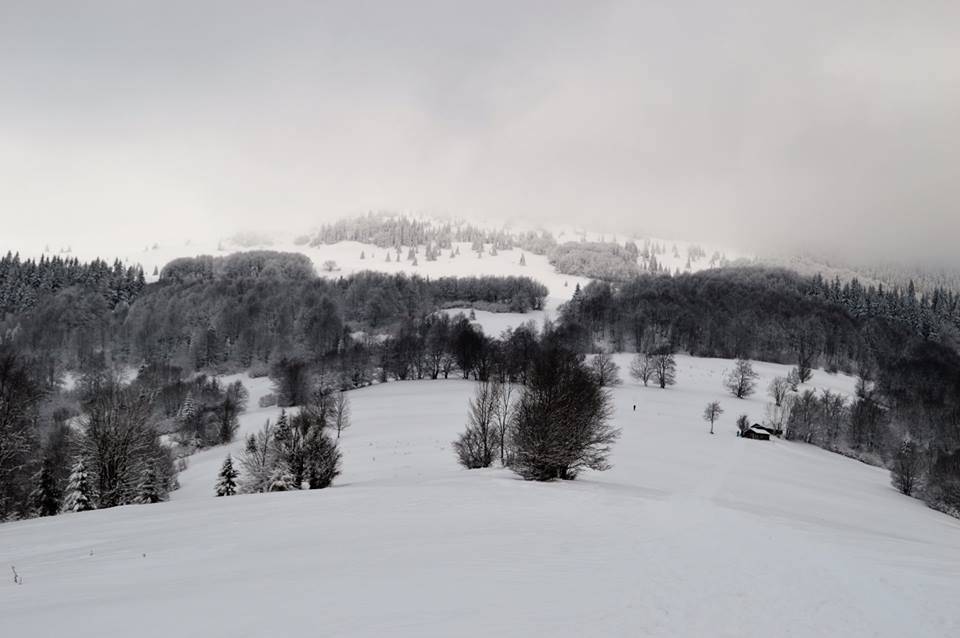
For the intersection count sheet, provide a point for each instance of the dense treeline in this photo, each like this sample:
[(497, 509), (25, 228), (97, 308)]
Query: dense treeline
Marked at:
[(60, 312), (771, 315), (230, 312), (393, 231), (933, 315), (25, 283), (233, 323), (895, 341), (598, 260)]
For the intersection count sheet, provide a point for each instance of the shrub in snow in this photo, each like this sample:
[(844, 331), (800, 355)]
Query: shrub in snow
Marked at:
[(907, 468), (322, 460), (281, 480)]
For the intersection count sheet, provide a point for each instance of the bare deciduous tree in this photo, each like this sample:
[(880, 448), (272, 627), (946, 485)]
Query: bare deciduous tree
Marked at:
[(561, 425), (258, 459), (779, 415), (907, 468), (711, 413), (778, 390), (742, 380), (504, 413), (341, 412), (475, 447), (118, 440), (642, 368), (793, 379), (606, 370), (665, 368)]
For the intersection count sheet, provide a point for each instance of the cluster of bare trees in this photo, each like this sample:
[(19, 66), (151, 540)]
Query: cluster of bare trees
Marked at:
[(488, 418), (557, 427), (659, 366)]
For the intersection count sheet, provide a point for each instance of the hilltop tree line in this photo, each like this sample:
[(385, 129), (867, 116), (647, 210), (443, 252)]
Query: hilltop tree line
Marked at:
[(394, 231), (23, 283)]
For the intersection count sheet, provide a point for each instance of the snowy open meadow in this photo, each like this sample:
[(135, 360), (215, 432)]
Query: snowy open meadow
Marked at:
[(688, 535)]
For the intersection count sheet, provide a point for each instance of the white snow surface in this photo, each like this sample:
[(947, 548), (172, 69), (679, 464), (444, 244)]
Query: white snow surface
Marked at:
[(688, 535)]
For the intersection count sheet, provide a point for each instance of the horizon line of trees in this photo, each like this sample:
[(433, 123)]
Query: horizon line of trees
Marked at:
[(390, 231)]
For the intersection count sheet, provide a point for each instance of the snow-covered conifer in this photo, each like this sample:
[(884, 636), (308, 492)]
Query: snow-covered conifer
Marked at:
[(227, 478), (45, 497), (80, 495), (281, 480), (148, 491)]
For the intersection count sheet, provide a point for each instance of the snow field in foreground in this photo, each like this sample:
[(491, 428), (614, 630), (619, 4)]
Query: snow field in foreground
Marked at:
[(688, 535)]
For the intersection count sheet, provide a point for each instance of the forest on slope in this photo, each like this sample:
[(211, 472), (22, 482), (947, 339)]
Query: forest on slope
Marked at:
[(903, 346)]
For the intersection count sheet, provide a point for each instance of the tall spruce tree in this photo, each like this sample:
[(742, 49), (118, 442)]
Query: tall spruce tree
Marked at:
[(227, 478), (80, 496), (45, 497), (149, 489)]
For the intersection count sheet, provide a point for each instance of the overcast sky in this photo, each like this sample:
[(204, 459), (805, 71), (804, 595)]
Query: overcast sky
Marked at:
[(821, 124)]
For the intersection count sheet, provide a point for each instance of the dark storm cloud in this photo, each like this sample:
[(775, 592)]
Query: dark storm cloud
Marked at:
[(823, 125)]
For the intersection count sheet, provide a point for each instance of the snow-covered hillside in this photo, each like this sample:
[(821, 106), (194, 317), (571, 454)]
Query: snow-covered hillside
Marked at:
[(688, 535), (152, 256)]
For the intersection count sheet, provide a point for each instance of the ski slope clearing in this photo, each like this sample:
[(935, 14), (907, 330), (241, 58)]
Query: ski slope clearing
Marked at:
[(688, 535)]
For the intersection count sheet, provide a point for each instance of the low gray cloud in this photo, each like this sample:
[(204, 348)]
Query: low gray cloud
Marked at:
[(766, 125)]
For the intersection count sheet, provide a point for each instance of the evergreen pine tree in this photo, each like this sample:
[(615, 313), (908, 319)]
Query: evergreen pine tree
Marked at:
[(149, 489), (79, 490), (227, 478), (45, 497)]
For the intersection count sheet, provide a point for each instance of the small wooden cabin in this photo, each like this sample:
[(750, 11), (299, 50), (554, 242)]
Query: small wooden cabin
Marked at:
[(757, 433)]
